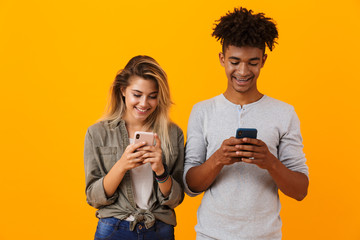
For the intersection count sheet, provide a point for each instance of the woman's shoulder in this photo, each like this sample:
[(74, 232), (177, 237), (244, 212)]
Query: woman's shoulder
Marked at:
[(176, 135), (103, 127), (98, 127), (174, 129)]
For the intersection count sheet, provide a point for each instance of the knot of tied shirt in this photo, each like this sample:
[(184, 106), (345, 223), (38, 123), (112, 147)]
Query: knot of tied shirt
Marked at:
[(142, 215)]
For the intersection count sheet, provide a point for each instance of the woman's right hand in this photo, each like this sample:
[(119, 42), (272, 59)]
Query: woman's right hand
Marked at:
[(131, 158)]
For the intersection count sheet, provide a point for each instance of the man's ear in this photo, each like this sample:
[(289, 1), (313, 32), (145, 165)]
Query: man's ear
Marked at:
[(222, 59), (263, 60)]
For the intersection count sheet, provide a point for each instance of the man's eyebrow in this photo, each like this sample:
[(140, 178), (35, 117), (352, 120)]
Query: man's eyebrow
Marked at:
[(234, 58), (238, 59)]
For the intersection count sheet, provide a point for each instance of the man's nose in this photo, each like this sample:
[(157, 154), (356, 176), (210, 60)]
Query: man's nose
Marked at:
[(243, 69)]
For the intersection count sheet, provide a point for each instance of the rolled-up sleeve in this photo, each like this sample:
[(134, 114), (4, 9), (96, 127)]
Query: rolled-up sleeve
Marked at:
[(290, 151), (195, 149), (176, 195), (95, 192)]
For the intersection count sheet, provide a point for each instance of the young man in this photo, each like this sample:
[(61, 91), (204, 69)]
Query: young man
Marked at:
[(241, 177)]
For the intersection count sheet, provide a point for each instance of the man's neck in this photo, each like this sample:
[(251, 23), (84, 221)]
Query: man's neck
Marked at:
[(243, 98)]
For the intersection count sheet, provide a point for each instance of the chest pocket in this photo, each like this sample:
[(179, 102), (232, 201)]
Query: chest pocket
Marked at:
[(107, 157)]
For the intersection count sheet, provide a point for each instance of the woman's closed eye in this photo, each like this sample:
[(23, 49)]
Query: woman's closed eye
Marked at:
[(153, 96)]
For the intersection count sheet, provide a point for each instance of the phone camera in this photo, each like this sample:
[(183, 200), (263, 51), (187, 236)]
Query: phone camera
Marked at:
[(239, 133), (137, 136)]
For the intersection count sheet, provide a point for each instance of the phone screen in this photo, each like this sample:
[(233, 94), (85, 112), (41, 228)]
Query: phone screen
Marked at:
[(246, 133)]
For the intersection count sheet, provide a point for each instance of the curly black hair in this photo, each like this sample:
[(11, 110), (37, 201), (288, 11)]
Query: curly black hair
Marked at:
[(243, 28)]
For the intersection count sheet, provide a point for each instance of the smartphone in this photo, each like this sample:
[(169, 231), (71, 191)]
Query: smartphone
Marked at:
[(246, 133), (147, 137)]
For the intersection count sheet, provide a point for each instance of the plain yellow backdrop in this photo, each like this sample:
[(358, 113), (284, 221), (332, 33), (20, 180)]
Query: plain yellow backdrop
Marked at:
[(58, 59)]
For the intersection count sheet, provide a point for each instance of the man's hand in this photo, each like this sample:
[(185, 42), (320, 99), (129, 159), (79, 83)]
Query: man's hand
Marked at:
[(292, 184), (256, 152), (227, 154), (200, 178)]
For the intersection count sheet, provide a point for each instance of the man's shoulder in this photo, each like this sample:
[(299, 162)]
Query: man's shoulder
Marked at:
[(278, 105), (208, 103)]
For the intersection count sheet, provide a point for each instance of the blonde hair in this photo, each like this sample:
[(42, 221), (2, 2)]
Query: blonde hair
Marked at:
[(147, 68)]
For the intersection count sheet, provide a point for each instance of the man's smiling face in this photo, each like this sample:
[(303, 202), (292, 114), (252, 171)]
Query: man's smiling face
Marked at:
[(242, 67)]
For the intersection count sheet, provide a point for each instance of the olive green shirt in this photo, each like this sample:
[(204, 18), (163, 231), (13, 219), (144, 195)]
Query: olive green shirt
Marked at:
[(105, 142)]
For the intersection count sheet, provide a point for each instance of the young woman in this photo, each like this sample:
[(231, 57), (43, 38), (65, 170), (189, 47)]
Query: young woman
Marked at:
[(135, 187)]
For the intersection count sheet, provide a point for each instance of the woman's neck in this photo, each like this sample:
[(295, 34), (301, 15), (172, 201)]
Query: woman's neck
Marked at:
[(132, 127)]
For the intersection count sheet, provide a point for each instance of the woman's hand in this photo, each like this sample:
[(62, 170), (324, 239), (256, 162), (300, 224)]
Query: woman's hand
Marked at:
[(153, 156), (132, 157)]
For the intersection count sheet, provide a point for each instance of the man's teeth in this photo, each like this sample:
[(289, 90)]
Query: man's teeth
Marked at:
[(242, 80)]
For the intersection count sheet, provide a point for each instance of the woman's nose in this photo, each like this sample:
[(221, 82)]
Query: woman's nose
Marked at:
[(143, 101)]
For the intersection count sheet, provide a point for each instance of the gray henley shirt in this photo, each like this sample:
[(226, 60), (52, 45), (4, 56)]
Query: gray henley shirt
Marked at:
[(243, 201)]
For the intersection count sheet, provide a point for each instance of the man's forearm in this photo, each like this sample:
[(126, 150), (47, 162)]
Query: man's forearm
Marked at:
[(292, 184), (200, 178)]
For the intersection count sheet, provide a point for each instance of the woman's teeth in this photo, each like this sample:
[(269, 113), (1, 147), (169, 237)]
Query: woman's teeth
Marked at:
[(142, 110)]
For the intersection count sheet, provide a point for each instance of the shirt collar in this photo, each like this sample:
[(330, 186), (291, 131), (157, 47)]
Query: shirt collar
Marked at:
[(116, 123), (246, 105)]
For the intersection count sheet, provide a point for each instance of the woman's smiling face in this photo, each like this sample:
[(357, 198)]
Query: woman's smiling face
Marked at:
[(141, 98)]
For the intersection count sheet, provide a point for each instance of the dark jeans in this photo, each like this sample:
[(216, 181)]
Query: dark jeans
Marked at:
[(113, 229)]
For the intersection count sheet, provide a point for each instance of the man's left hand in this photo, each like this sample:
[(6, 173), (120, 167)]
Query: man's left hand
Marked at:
[(256, 152)]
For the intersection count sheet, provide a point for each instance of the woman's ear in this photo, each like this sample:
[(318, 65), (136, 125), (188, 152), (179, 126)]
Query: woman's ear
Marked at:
[(122, 90)]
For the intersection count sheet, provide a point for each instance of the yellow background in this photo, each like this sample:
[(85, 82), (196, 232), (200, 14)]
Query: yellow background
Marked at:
[(58, 59)]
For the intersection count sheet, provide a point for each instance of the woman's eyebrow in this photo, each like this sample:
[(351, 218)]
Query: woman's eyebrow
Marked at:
[(142, 92), (137, 90)]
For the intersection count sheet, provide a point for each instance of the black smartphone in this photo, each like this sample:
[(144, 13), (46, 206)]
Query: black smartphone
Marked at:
[(246, 133)]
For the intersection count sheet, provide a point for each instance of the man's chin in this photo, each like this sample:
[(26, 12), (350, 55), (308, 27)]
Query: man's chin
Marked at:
[(241, 89)]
